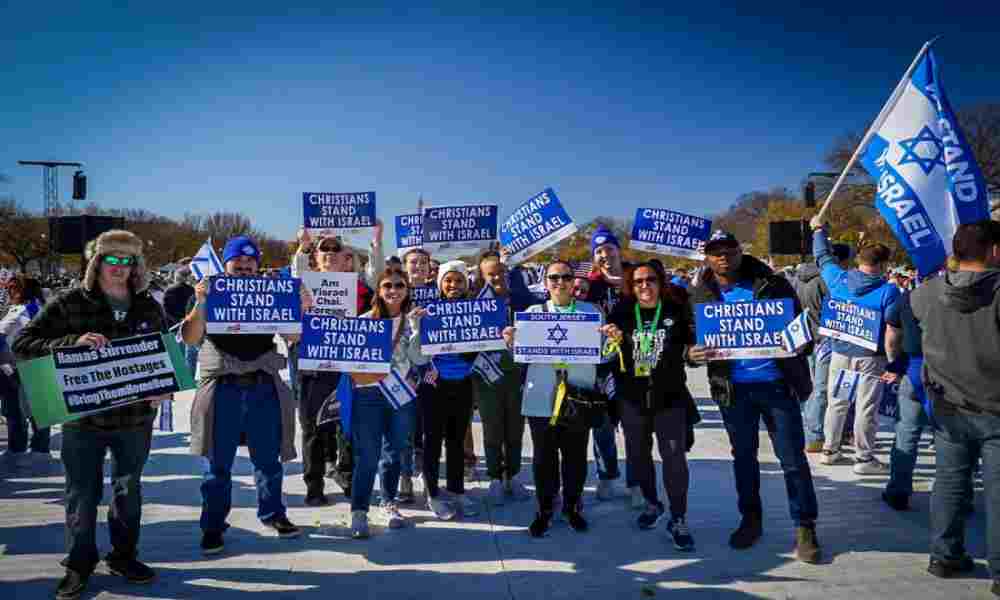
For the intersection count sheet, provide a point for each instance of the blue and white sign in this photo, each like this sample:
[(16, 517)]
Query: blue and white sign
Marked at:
[(544, 337), (928, 179), (668, 232), (852, 323), (888, 405), (409, 233), (535, 226), (346, 344), (741, 330), (423, 295), (253, 305), (458, 229), (328, 214), (463, 326)]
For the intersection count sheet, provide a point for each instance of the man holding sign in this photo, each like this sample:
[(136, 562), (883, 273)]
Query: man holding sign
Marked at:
[(111, 303), (750, 389)]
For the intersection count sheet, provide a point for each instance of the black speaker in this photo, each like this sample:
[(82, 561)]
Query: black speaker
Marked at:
[(79, 186), (790, 237), (69, 235)]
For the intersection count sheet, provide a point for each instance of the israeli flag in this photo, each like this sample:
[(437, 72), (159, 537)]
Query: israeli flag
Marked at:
[(206, 263), (927, 178), (797, 334), (397, 389), (845, 385), (487, 364)]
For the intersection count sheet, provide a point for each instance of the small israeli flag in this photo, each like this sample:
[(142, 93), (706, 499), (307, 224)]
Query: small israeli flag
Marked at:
[(397, 389), (487, 365), (845, 385), (608, 386), (797, 334), (205, 263)]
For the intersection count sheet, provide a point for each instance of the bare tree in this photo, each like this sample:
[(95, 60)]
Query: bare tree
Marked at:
[(23, 234)]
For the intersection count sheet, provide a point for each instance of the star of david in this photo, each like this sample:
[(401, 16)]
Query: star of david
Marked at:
[(558, 334), (930, 147)]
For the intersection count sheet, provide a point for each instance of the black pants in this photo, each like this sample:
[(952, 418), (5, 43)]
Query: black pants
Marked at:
[(320, 447), (670, 428), (548, 443), (447, 411)]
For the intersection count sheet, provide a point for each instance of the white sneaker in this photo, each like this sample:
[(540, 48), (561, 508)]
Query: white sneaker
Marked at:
[(495, 495), (638, 500), (871, 467), (829, 457), (516, 490), (441, 509), (466, 505), (359, 525), (392, 515), (606, 490)]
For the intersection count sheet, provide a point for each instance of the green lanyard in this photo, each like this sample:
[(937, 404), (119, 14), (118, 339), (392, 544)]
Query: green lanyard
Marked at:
[(572, 308), (646, 337)]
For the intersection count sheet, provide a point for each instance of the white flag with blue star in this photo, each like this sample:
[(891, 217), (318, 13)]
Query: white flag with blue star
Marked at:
[(927, 178), (206, 263), (797, 334)]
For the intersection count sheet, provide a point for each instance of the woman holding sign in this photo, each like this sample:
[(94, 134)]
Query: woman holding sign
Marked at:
[(382, 410), (651, 329), (552, 433)]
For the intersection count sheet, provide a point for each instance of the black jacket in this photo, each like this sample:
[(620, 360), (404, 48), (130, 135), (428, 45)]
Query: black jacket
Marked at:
[(175, 302), (766, 286)]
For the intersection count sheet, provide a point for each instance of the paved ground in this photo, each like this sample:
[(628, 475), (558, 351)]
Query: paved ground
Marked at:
[(871, 552)]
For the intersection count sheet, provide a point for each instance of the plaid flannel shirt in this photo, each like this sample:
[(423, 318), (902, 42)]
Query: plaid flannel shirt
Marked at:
[(65, 318)]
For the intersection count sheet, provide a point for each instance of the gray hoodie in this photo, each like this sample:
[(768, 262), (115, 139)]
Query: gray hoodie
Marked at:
[(960, 317)]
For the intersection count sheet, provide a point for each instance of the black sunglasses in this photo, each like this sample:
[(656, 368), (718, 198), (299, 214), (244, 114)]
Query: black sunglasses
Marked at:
[(560, 277), (399, 285)]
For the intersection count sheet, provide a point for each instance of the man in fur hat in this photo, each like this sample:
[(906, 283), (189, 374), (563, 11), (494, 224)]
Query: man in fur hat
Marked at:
[(112, 303)]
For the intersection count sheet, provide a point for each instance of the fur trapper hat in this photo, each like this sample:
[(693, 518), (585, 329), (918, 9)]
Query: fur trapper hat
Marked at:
[(119, 243)]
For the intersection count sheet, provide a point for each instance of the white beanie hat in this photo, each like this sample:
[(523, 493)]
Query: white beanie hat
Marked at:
[(452, 266)]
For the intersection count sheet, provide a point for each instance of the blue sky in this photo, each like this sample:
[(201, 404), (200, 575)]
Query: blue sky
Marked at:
[(176, 109)]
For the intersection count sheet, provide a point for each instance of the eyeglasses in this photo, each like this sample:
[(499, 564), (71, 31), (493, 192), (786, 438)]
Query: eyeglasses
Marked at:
[(399, 285), (115, 261), (557, 277)]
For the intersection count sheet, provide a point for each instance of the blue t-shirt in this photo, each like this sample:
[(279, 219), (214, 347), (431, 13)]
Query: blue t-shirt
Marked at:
[(750, 370)]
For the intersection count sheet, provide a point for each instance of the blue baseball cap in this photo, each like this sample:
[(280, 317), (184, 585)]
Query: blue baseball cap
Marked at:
[(240, 245)]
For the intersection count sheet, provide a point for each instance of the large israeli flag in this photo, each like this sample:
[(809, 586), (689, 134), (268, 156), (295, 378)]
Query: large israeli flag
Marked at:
[(206, 263), (927, 178)]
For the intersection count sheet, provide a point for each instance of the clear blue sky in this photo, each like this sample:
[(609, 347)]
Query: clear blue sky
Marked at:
[(176, 109)]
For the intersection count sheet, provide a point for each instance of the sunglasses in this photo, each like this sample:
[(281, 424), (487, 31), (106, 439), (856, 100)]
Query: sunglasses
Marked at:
[(123, 261), (330, 246), (556, 277), (639, 281), (399, 285)]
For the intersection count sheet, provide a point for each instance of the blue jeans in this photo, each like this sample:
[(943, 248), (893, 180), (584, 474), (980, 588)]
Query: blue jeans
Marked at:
[(815, 407), (782, 416), (605, 451), (17, 422), (191, 357), (911, 423), (83, 457), (372, 419), (256, 411), (961, 439)]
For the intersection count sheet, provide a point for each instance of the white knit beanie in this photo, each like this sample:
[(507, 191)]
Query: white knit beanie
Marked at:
[(452, 266)]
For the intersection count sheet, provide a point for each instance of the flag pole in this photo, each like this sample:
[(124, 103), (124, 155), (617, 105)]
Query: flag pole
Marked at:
[(876, 125)]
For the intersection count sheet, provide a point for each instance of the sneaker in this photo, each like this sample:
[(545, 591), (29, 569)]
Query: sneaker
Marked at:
[(896, 502), (392, 515), (466, 506), (575, 520), (950, 568), (605, 490), (441, 509), (678, 529), (316, 500), (806, 544), (747, 534), (131, 569), (540, 526), (832, 457), (636, 498), (283, 527), (211, 542), (405, 495), (516, 490), (870, 467), (495, 495), (359, 524), (814, 447), (71, 585), (650, 517)]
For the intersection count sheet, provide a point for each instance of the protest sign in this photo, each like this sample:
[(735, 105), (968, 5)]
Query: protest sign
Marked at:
[(78, 381), (557, 338), (888, 405), (253, 305), (409, 233), (463, 326), (345, 344), (536, 225), (332, 293), (458, 229), (328, 214), (422, 295), (852, 323), (740, 330), (668, 232)]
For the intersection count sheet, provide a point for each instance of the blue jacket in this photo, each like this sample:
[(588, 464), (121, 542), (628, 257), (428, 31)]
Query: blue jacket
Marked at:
[(871, 291)]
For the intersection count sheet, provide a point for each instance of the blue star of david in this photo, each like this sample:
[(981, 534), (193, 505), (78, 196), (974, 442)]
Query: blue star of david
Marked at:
[(557, 334), (925, 140)]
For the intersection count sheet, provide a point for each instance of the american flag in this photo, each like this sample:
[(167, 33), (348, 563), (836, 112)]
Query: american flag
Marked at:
[(583, 269)]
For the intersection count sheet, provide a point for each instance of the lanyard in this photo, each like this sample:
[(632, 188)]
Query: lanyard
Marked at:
[(646, 337)]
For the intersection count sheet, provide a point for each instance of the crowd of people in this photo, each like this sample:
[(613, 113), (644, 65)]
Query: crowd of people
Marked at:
[(946, 383)]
